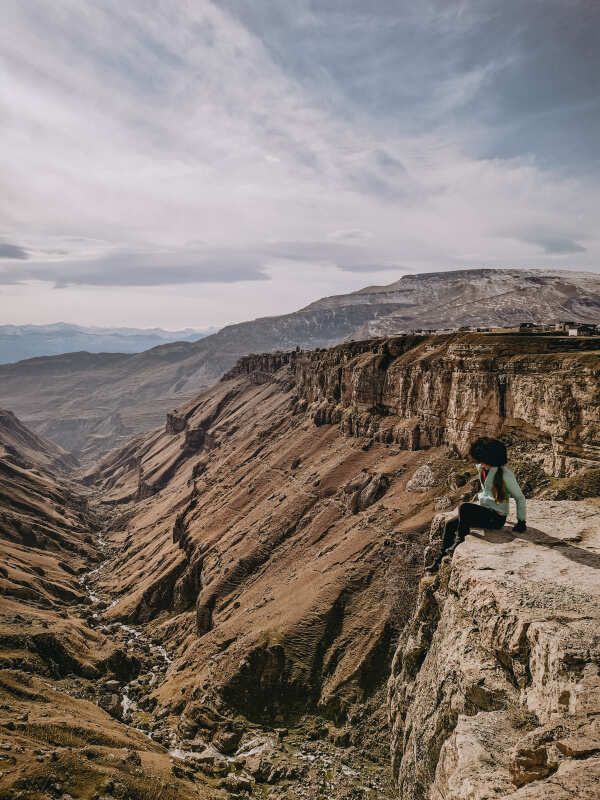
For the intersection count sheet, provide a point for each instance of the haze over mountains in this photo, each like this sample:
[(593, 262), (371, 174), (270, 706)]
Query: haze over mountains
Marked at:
[(89, 403), (18, 342)]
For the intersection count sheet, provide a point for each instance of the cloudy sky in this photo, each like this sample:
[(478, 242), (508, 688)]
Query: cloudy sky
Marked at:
[(183, 163)]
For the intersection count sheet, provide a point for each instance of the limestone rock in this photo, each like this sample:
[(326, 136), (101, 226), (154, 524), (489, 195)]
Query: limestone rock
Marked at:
[(111, 703), (175, 423), (366, 489), (495, 687), (422, 481)]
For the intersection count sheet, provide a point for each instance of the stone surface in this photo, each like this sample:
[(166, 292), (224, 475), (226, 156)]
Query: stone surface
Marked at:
[(422, 480), (495, 688)]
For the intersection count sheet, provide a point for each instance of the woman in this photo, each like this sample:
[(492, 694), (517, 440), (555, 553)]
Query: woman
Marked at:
[(498, 484)]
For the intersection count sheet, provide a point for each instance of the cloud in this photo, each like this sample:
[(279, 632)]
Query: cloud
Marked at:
[(224, 143), (346, 256), (557, 245), (551, 240), (12, 251), (140, 269), (514, 81), (220, 265)]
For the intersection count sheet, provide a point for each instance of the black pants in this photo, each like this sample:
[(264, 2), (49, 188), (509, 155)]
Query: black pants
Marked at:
[(470, 515)]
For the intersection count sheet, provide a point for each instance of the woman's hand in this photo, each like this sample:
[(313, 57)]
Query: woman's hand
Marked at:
[(520, 527)]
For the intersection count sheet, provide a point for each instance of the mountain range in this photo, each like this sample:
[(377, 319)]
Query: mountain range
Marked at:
[(89, 403), (18, 342)]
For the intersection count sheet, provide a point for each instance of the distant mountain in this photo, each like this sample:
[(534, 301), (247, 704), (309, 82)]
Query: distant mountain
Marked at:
[(18, 342), (89, 403)]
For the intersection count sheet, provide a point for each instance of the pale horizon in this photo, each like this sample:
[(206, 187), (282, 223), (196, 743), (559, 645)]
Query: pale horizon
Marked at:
[(211, 329)]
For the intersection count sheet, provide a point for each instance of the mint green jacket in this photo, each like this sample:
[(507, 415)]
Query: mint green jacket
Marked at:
[(486, 495)]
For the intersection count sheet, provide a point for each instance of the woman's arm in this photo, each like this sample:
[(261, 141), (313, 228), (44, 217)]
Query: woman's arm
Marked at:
[(515, 491)]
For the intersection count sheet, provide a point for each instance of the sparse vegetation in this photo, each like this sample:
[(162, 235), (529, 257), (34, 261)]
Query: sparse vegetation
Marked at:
[(522, 718), (66, 736), (577, 487), (150, 787)]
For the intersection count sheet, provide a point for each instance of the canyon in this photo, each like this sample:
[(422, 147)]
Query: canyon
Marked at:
[(90, 403), (233, 604)]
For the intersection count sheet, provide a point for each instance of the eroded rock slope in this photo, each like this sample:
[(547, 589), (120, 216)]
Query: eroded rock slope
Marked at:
[(261, 546), (61, 671)]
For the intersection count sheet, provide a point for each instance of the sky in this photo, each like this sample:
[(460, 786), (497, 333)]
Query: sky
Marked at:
[(184, 163)]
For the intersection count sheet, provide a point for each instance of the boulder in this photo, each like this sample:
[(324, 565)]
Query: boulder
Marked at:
[(423, 479)]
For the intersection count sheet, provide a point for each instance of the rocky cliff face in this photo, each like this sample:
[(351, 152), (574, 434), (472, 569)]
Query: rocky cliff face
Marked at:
[(495, 687), (91, 403), (422, 392)]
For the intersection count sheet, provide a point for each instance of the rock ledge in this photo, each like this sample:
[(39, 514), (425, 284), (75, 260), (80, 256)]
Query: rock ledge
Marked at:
[(495, 687)]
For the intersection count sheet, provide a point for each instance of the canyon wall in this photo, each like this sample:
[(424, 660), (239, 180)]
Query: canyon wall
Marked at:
[(428, 391)]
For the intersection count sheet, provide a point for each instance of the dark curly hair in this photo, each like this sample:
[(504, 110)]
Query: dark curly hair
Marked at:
[(493, 452)]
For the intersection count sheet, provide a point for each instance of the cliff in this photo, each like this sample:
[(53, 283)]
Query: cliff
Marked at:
[(91, 403), (419, 392), (495, 687)]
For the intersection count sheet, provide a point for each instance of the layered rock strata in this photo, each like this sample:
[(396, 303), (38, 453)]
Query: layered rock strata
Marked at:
[(422, 392)]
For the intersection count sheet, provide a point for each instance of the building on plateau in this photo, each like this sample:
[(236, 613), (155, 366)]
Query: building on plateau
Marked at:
[(564, 325), (583, 330)]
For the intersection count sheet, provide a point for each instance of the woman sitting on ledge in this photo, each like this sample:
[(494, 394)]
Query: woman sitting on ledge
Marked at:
[(498, 484)]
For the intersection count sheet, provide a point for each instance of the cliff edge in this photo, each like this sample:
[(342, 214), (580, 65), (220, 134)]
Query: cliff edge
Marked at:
[(495, 686)]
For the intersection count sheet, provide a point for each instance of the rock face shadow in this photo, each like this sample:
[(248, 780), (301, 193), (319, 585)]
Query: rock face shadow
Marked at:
[(537, 537)]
